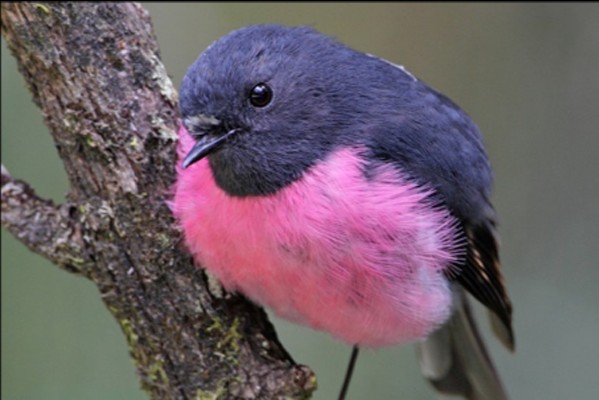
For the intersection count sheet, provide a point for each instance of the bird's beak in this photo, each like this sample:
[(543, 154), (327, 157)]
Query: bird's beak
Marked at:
[(204, 146)]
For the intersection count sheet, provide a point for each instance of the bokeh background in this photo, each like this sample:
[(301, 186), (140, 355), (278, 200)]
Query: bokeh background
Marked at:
[(528, 74)]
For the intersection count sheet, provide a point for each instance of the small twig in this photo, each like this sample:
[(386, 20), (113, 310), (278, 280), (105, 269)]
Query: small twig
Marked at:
[(43, 226)]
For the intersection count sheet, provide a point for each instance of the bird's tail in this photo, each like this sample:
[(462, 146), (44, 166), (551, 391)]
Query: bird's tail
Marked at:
[(454, 359)]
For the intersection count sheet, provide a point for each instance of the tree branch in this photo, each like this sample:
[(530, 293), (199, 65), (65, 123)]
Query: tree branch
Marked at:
[(42, 226), (95, 72)]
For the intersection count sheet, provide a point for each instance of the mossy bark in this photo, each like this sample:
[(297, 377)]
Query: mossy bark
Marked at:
[(95, 72)]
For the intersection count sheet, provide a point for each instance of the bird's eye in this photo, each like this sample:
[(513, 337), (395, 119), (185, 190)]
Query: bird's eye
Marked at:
[(260, 95)]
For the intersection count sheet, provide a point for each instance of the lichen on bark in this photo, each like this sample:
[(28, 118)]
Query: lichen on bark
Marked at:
[(94, 71)]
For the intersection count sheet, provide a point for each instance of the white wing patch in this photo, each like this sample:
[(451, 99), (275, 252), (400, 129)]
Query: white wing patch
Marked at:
[(401, 67)]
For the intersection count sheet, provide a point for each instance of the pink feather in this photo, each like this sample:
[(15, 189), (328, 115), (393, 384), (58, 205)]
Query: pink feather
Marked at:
[(363, 259)]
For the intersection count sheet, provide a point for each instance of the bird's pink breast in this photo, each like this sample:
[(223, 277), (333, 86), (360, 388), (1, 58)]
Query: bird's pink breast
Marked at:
[(362, 258)]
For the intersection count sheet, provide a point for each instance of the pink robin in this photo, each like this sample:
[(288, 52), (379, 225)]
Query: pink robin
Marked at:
[(342, 192)]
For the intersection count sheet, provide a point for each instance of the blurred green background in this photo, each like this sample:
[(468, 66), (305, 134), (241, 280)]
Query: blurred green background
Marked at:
[(528, 74)]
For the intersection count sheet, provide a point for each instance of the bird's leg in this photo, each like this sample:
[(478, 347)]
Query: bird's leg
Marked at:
[(348, 372)]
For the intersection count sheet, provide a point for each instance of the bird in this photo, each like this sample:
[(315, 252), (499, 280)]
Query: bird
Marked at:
[(337, 189)]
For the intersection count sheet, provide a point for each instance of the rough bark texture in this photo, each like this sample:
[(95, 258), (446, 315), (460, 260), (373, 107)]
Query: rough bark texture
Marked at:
[(94, 71)]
